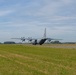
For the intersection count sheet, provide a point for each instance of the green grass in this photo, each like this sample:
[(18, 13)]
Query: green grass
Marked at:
[(36, 60)]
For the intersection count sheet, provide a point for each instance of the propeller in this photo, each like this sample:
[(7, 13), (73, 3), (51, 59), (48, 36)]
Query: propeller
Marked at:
[(23, 39)]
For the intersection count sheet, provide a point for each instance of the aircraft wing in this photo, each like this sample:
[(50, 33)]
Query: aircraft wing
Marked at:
[(22, 38), (15, 38), (49, 39), (30, 38)]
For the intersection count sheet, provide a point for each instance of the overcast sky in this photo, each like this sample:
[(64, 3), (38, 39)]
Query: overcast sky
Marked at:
[(29, 18)]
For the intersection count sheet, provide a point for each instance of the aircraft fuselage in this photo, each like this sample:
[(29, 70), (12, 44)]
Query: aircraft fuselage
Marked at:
[(40, 42)]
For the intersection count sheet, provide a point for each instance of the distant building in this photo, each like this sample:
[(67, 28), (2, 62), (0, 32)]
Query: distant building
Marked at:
[(9, 42)]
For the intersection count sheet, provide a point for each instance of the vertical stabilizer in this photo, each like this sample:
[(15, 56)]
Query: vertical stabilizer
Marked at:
[(45, 33)]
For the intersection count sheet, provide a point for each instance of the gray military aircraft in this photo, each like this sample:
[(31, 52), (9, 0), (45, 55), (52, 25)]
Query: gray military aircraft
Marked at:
[(36, 41)]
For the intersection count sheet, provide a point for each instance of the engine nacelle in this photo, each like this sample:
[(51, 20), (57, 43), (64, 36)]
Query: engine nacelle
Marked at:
[(23, 38), (49, 39), (34, 42)]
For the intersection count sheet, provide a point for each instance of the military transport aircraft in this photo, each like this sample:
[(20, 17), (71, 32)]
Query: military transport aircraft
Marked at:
[(36, 41)]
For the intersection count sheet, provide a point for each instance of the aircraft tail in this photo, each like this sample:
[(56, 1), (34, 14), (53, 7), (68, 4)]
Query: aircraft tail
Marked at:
[(45, 33)]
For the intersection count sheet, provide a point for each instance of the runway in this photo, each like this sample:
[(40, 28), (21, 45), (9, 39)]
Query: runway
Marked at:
[(68, 46)]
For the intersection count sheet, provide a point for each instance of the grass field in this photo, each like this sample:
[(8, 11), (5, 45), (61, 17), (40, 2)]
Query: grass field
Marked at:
[(36, 60)]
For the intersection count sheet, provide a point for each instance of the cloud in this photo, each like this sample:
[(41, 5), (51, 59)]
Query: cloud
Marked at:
[(5, 12), (66, 2), (47, 10), (60, 18), (25, 17)]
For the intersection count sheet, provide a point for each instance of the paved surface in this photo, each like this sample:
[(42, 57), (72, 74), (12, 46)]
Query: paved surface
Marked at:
[(72, 46), (68, 46)]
